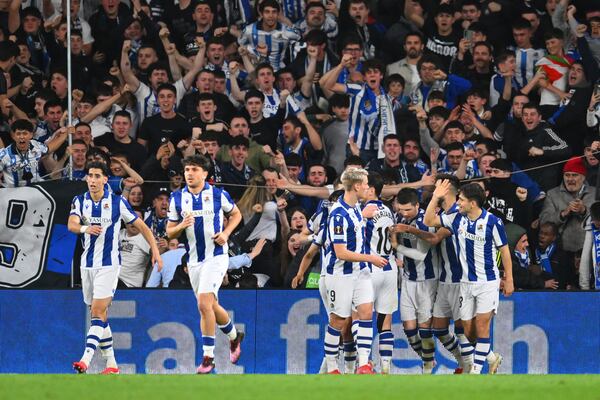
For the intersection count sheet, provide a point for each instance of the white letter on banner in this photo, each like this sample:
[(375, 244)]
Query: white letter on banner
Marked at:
[(183, 354), (297, 332), (505, 336)]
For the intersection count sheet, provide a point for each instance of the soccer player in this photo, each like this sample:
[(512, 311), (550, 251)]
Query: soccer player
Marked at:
[(347, 279), (419, 284), (385, 280), (479, 236), (96, 215), (198, 211)]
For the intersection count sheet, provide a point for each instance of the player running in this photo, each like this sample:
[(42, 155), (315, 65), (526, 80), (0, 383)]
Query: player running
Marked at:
[(347, 279), (96, 216), (479, 235), (198, 211), (385, 280)]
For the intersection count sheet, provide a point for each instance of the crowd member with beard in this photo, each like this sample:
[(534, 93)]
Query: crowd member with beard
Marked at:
[(478, 67), (505, 196), (541, 146), (524, 276), (407, 67), (553, 261), (568, 204)]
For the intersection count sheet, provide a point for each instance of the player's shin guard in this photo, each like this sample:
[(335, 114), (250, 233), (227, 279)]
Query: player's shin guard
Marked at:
[(208, 346), (414, 340), (466, 349), (428, 344), (386, 348), (106, 347), (450, 342), (482, 348), (349, 357), (332, 341), (229, 330), (92, 339), (364, 340)]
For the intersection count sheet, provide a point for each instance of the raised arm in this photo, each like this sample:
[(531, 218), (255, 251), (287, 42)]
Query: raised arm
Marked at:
[(329, 80), (313, 135), (237, 94), (431, 218), (126, 70)]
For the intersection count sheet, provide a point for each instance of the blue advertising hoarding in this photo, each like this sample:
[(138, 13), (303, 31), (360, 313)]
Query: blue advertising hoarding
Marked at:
[(157, 331)]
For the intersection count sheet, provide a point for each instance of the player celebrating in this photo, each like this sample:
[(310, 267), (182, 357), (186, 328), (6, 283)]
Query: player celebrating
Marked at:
[(96, 215), (198, 211), (479, 235), (347, 279), (385, 280), (419, 283)]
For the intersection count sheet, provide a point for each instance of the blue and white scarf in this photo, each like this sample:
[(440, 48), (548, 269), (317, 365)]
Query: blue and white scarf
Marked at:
[(524, 260), (596, 260), (543, 258), (379, 107)]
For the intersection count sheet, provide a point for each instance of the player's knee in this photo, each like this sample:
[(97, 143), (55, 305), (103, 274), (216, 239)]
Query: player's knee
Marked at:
[(206, 302)]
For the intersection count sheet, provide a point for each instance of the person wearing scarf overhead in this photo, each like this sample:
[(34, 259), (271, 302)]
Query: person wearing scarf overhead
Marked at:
[(371, 110), (589, 267)]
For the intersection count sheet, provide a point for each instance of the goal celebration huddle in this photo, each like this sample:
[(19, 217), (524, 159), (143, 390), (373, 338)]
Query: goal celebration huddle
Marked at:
[(448, 254)]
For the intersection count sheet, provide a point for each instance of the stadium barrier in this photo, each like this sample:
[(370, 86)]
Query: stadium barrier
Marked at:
[(157, 332)]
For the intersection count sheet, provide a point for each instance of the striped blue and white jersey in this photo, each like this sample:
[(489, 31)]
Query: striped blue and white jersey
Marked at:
[(148, 101), (276, 41), (102, 251), (377, 239), (13, 164), (365, 115), (344, 226), (478, 243), (419, 270), (272, 101), (526, 60), (208, 208), (450, 268)]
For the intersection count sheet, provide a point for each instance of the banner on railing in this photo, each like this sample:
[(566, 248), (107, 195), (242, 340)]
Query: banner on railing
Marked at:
[(157, 332), (36, 249)]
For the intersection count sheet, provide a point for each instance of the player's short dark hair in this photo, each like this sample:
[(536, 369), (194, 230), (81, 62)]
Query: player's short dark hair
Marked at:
[(239, 141), (97, 165), (339, 100), (22, 125), (453, 179), (166, 86), (293, 160), (554, 33), (122, 113), (408, 195), (376, 182), (198, 161), (54, 102), (268, 3), (251, 93), (455, 146), (473, 192), (315, 37), (354, 160), (595, 211)]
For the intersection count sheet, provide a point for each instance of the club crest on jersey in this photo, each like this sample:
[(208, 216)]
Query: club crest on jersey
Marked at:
[(206, 198), (106, 206)]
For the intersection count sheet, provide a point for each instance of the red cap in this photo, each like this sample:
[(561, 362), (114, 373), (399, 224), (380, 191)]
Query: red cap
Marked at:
[(576, 165)]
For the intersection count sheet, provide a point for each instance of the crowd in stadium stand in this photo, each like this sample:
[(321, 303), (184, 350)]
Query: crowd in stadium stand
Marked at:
[(283, 95)]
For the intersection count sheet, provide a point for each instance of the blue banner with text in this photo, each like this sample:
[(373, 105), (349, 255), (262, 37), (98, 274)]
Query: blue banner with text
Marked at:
[(157, 331)]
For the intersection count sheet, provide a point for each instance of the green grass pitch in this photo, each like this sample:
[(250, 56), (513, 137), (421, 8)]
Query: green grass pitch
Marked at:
[(301, 387)]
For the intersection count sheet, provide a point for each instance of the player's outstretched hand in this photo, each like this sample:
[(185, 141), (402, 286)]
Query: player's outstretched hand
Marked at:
[(508, 287), (298, 279), (157, 259), (378, 261), (94, 230), (442, 189), (220, 238)]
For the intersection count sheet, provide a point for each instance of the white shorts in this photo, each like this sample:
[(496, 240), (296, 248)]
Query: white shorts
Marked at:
[(323, 293), (346, 291), (385, 291), (416, 300), (478, 298), (447, 301), (99, 283), (207, 276)]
